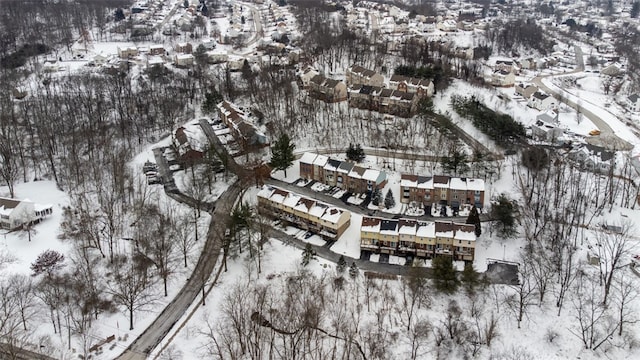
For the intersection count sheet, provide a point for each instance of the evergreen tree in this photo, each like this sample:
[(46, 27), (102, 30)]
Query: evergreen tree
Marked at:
[(444, 274), (282, 153), (119, 15), (635, 9), (353, 270), (389, 201), (376, 196), (355, 153), (211, 101), (186, 4), (470, 278), (474, 218), (456, 162), (342, 265), (503, 213), (308, 254)]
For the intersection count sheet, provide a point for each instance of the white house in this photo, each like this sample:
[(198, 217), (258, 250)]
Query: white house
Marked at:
[(546, 128), (15, 213), (183, 60), (542, 101), (503, 78), (307, 75), (633, 102)]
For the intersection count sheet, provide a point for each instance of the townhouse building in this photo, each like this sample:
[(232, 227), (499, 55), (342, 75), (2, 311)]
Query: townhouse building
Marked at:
[(360, 75), (241, 126), (387, 101), (327, 90), (326, 220), (418, 238), (441, 190), (343, 174), (422, 87)]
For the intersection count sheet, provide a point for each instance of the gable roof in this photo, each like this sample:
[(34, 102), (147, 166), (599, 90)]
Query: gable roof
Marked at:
[(8, 203)]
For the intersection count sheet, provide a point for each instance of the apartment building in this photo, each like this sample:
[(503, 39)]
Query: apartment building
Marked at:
[(418, 238), (343, 174), (327, 221), (442, 190)]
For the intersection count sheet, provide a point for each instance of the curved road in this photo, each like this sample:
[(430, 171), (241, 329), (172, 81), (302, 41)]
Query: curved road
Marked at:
[(151, 337), (607, 137), (142, 346)]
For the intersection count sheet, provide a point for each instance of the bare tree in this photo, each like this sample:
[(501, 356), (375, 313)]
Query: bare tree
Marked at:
[(15, 329), (414, 293), (612, 248), (130, 289), (625, 294), (524, 293), (594, 323)]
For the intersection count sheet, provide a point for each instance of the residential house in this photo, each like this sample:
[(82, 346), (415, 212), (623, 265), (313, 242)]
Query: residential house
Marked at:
[(503, 78), (183, 60), (613, 70), (418, 238), (441, 190), (16, 213), (525, 90), (542, 101), (633, 102), (327, 221), (185, 48), (157, 50), (546, 128), (51, 66), (593, 158), (190, 150), (447, 25), (327, 90), (504, 65), (127, 52), (359, 75), (307, 74)]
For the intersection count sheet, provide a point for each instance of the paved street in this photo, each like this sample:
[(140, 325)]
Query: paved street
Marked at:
[(607, 137), (150, 338)]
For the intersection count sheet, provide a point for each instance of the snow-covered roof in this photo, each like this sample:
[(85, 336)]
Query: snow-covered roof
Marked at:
[(307, 158), (458, 184), (320, 160)]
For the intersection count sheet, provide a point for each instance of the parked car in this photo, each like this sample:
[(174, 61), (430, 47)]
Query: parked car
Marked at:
[(149, 167), (175, 167), (152, 180), (594, 132)]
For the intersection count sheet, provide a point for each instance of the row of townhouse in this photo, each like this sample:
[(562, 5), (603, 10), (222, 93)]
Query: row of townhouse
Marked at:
[(326, 89), (422, 87), (441, 190), (418, 238), (241, 127), (387, 101), (343, 174), (360, 75), (327, 221)]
